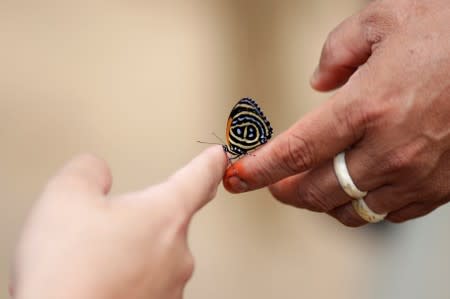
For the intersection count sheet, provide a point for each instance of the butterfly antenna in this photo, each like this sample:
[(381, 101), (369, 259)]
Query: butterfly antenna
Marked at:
[(222, 143), (208, 142), (220, 139)]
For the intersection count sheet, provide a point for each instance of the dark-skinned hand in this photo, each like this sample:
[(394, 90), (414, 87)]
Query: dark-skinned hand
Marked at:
[(391, 114)]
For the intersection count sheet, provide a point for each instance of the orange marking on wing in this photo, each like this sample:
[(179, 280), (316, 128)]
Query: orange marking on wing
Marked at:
[(227, 133)]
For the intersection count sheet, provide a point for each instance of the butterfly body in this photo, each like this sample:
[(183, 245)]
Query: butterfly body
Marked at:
[(247, 128)]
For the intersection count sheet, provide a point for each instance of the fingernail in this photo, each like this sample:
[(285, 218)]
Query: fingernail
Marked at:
[(235, 184), (233, 181)]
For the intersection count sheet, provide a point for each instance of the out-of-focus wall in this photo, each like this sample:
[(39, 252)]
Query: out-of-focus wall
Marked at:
[(137, 82)]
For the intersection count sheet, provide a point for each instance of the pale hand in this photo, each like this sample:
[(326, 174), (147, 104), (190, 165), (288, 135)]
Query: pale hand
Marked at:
[(80, 243)]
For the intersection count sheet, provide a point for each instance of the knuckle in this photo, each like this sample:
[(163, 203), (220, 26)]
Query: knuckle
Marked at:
[(369, 112), (412, 158), (423, 158), (350, 120), (355, 110), (397, 160), (372, 31), (298, 156), (377, 20)]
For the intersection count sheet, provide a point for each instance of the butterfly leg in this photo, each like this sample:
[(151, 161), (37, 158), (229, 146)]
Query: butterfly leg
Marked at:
[(231, 154)]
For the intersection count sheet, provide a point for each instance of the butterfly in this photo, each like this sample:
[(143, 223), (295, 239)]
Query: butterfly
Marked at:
[(247, 128)]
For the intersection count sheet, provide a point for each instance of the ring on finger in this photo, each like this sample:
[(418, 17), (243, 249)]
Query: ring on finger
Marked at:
[(349, 187), (365, 212), (344, 178)]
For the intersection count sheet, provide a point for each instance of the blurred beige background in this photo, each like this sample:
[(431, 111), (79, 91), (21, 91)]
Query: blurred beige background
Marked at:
[(137, 82)]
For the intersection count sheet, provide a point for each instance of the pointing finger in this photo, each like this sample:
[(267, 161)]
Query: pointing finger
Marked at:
[(197, 182), (314, 139)]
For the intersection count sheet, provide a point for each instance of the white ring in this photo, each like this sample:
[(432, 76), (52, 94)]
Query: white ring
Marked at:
[(344, 178), (346, 182), (365, 212)]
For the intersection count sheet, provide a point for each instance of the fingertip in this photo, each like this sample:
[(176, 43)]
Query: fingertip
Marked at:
[(235, 185), (233, 180), (323, 80), (345, 49), (256, 170), (199, 179), (314, 81), (217, 158), (316, 84), (226, 179), (221, 154)]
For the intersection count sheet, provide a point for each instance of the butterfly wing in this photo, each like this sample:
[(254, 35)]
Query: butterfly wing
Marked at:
[(247, 127)]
